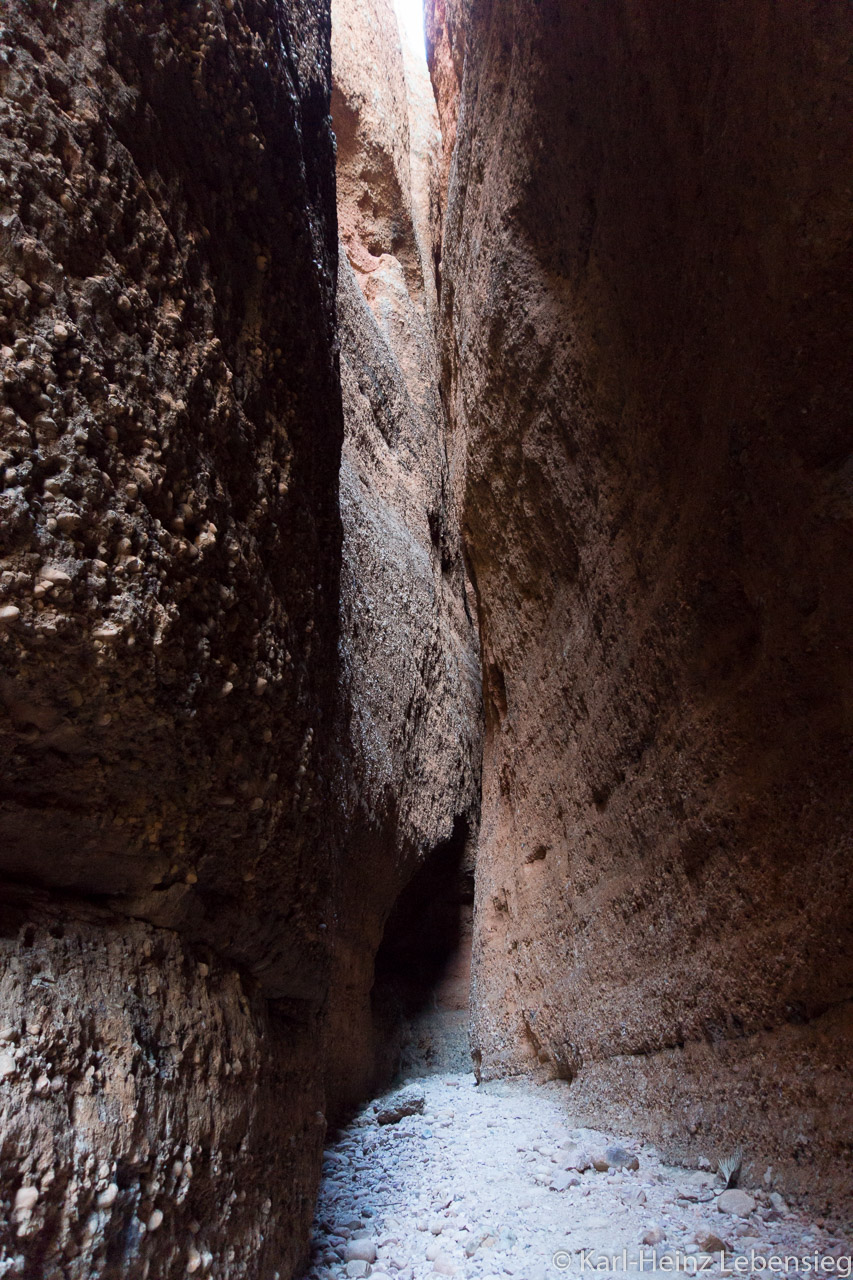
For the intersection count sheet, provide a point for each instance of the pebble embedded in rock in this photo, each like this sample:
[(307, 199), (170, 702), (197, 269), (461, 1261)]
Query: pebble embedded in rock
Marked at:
[(26, 1199)]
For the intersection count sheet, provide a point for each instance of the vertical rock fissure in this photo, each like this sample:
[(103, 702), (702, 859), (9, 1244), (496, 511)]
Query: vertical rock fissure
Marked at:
[(409, 648)]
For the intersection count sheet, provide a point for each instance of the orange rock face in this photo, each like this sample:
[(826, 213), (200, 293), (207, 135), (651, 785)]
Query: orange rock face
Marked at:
[(647, 322)]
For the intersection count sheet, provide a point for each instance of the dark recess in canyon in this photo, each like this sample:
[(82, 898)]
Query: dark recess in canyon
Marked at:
[(310, 414)]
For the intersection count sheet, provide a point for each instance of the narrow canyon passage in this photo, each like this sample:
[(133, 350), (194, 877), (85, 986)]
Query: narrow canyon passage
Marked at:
[(426, 638)]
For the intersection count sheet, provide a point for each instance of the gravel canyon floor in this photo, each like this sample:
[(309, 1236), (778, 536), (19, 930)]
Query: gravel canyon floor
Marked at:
[(483, 1182)]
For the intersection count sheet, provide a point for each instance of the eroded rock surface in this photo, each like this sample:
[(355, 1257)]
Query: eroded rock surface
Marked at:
[(410, 780), (171, 427), (158, 1117), (240, 711), (646, 309), (170, 421)]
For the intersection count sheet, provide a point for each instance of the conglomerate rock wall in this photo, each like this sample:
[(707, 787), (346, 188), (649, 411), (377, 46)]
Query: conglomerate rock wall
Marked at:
[(646, 284), (171, 425), (239, 679), (239, 691)]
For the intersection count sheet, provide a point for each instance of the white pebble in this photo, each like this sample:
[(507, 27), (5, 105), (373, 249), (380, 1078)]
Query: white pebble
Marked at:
[(363, 1250), (107, 1197), (26, 1199)]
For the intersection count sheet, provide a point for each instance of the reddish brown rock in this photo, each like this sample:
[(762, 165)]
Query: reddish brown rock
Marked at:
[(647, 325), (156, 1105), (446, 55), (170, 426), (207, 726), (371, 119)]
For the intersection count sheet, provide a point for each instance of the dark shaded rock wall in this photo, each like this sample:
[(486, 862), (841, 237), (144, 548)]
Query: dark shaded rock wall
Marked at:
[(239, 694), (170, 420), (647, 324), (159, 1118), (172, 430)]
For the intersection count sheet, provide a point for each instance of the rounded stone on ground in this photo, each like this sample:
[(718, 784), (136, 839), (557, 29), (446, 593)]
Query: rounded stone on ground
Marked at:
[(654, 1235), (361, 1250), (563, 1180), (735, 1202), (407, 1102), (617, 1157)]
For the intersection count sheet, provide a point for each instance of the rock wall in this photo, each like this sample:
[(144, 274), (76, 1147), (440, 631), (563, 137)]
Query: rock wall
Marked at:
[(646, 331), (239, 695), (159, 1118), (171, 425), (409, 780), (172, 429)]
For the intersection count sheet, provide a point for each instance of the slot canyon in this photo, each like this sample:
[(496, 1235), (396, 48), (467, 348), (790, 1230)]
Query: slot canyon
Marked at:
[(426, 668)]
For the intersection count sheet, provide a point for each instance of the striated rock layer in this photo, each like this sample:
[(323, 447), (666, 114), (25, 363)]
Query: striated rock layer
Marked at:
[(410, 674), (646, 333)]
